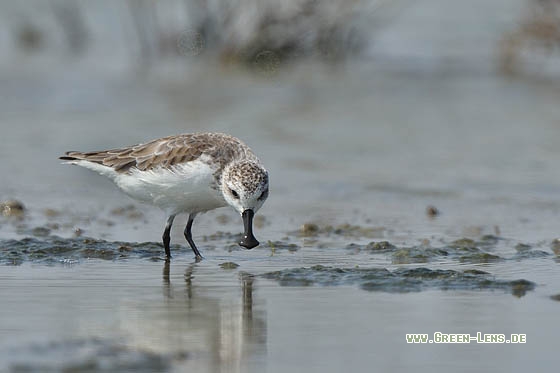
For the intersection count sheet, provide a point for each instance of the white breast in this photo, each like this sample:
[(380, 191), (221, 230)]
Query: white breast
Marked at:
[(184, 188)]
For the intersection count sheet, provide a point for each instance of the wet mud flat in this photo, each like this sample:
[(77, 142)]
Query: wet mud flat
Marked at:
[(54, 250), (444, 264), (399, 269), (104, 305), (410, 242)]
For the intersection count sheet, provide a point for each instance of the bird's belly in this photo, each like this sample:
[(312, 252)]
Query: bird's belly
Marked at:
[(187, 188)]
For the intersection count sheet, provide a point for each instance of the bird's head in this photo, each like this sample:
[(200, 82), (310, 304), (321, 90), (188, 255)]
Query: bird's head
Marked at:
[(244, 186)]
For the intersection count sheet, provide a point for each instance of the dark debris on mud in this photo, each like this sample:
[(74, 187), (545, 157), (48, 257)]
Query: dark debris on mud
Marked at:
[(229, 265), (464, 250), (52, 250), (281, 245), (48, 249), (12, 208), (344, 230), (402, 280)]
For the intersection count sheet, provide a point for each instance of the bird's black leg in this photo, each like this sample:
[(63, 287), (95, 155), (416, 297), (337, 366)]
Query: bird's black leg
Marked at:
[(188, 236), (166, 235)]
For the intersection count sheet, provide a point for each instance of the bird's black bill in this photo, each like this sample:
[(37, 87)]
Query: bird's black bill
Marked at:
[(249, 241)]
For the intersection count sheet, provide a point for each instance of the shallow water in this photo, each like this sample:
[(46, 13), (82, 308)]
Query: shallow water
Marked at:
[(350, 260), (141, 314)]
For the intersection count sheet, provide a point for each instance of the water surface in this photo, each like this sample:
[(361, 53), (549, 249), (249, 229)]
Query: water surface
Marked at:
[(357, 152)]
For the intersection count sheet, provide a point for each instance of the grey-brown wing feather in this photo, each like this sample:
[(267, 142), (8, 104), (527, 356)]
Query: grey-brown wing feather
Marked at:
[(165, 152)]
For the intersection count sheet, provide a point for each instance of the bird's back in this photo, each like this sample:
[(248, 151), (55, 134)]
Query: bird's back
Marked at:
[(167, 152), (177, 173)]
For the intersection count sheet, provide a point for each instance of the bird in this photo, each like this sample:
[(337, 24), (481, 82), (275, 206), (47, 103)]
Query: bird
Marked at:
[(187, 173)]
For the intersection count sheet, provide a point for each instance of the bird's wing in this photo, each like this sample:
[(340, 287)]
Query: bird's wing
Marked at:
[(164, 152)]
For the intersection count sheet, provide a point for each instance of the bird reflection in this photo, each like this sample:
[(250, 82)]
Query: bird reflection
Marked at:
[(209, 319), (166, 282), (188, 279)]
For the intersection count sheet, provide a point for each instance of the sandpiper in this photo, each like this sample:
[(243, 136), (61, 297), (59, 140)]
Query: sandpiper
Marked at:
[(188, 173)]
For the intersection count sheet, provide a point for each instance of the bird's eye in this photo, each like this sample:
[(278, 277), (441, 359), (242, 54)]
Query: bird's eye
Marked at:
[(234, 193), (263, 195)]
